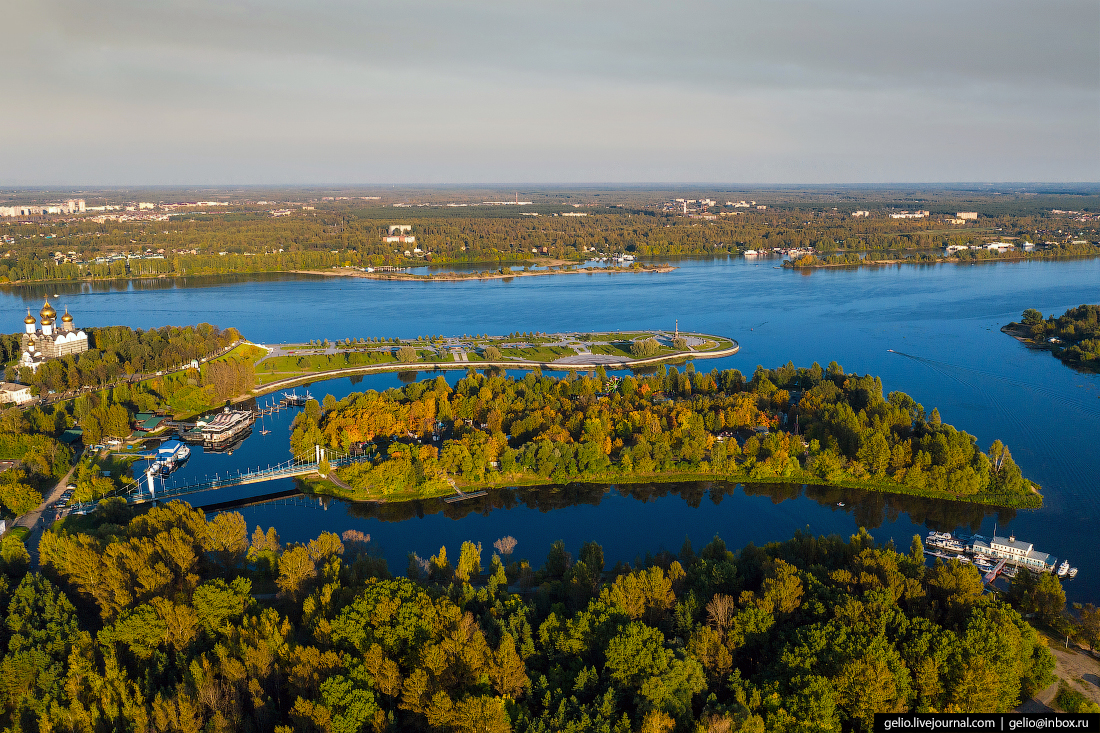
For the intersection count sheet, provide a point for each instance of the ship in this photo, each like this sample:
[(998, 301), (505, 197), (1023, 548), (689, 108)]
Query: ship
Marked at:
[(223, 428), (170, 455)]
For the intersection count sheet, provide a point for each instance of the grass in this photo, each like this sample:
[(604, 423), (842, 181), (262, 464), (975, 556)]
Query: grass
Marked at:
[(613, 349), (248, 352), (542, 353)]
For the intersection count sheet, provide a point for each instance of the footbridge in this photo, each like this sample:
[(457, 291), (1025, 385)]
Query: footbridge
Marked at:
[(152, 487)]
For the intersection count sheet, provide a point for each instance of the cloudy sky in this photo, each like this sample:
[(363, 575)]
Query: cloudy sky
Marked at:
[(559, 91)]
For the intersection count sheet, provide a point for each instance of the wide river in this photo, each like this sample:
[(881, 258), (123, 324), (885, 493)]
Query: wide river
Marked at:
[(943, 319)]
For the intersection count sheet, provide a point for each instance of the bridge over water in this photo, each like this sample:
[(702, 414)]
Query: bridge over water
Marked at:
[(152, 487)]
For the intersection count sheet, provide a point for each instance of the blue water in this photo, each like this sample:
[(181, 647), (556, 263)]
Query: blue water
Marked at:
[(945, 317)]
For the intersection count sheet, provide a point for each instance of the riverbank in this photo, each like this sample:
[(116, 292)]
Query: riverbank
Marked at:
[(1069, 354), (500, 274), (574, 352), (325, 487), (811, 262)]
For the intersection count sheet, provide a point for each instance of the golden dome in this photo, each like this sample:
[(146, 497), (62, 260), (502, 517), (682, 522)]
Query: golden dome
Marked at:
[(67, 318), (47, 322), (29, 319), (47, 311)]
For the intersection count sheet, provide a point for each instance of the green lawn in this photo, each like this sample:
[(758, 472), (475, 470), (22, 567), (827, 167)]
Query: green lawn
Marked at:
[(542, 353)]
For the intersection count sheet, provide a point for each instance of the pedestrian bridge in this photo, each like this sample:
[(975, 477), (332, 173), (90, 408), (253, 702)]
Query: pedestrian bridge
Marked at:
[(151, 487)]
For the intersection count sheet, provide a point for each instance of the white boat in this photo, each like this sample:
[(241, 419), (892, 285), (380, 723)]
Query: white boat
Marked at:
[(1063, 569), (225, 426), (1072, 572), (751, 253)]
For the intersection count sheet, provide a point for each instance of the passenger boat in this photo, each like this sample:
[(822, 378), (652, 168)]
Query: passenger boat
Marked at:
[(222, 428), (170, 455)]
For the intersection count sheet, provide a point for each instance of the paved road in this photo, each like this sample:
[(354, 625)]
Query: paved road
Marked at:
[(42, 517)]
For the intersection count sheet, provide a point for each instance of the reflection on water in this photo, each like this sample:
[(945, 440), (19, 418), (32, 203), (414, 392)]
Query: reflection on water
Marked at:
[(870, 509)]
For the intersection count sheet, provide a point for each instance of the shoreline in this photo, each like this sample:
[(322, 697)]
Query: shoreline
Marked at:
[(457, 276), (883, 487), (789, 265), (349, 272), (477, 365)]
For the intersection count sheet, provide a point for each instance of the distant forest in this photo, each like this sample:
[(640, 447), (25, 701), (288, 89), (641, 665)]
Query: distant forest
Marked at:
[(248, 240)]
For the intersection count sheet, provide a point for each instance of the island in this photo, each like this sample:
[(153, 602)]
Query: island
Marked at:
[(1073, 337), (800, 425)]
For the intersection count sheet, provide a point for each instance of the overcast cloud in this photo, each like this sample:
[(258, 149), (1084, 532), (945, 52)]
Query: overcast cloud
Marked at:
[(431, 91)]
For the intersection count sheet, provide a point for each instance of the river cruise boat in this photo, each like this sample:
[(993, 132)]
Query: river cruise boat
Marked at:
[(170, 455), (222, 428)]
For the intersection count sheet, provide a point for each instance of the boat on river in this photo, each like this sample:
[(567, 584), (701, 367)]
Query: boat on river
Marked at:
[(985, 552), (170, 455), (223, 428)]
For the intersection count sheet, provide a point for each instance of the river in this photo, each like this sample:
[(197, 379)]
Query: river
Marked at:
[(942, 320)]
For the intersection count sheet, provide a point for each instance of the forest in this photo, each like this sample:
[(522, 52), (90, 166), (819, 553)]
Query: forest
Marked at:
[(251, 241), (807, 425), (1075, 334), (163, 619)]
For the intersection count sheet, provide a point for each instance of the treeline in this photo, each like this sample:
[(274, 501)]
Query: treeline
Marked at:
[(153, 623), (851, 258), (118, 352), (255, 242), (1077, 332), (808, 425), (31, 437)]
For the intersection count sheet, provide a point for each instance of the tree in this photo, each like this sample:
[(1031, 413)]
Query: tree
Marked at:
[(492, 353), (406, 354), (643, 348), (1032, 317)]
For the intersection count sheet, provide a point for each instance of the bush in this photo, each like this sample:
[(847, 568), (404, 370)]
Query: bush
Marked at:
[(1072, 701)]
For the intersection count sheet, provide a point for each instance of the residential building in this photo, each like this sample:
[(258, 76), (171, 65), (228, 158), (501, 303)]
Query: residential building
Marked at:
[(20, 394)]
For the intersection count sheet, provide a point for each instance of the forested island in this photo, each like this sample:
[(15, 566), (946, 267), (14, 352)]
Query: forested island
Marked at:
[(1073, 337), (805, 425), (164, 620)]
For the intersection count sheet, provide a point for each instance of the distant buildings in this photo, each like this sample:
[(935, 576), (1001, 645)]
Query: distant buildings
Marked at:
[(72, 206), (859, 214), (909, 215), (964, 215), (48, 342), (399, 234)]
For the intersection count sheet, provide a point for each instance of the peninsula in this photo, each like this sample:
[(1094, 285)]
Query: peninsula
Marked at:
[(1073, 337), (811, 425)]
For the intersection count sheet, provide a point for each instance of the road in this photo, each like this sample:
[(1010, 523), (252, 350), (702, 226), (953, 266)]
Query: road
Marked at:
[(40, 518)]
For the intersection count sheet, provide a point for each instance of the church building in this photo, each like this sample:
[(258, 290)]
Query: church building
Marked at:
[(48, 341)]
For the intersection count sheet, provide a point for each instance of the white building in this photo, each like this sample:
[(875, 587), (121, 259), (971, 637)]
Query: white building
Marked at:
[(859, 214), (20, 394), (909, 215), (1015, 552), (972, 215)]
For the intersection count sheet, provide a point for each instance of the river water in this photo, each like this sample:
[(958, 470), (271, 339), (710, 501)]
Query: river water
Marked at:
[(942, 319)]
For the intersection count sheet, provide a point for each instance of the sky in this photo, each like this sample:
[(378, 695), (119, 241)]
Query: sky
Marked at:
[(178, 92)]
